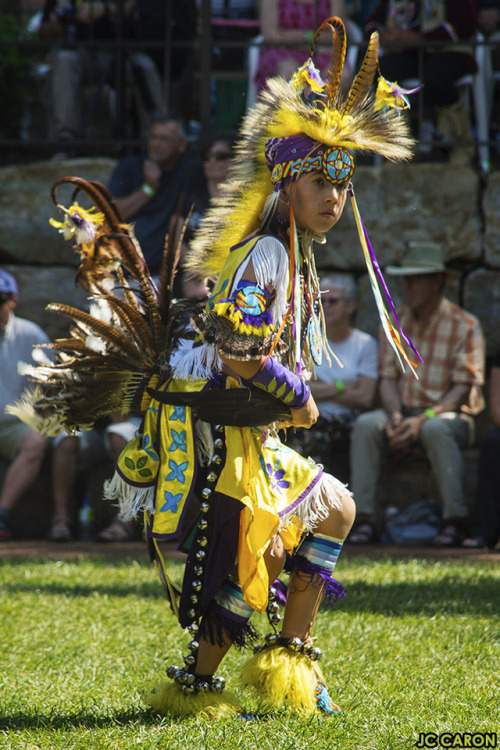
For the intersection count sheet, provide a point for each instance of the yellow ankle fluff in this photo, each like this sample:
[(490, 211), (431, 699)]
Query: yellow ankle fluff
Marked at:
[(283, 678), (167, 698)]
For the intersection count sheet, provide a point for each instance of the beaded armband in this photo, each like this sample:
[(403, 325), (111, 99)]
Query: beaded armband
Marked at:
[(276, 379)]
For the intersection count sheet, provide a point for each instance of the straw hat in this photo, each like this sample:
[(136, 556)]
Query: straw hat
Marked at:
[(420, 258)]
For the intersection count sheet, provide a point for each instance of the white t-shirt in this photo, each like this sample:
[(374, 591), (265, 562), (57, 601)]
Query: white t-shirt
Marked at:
[(16, 345), (359, 355)]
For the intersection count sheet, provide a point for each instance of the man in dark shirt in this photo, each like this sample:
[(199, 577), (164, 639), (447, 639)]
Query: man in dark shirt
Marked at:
[(72, 26), (147, 188)]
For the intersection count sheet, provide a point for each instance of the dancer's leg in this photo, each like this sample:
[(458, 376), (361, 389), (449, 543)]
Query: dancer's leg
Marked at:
[(210, 655), (306, 590)]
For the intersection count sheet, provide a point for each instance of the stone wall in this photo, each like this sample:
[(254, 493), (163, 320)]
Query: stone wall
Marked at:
[(398, 203), (450, 205)]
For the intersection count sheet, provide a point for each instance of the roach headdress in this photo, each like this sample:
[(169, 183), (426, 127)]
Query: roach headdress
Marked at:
[(302, 125)]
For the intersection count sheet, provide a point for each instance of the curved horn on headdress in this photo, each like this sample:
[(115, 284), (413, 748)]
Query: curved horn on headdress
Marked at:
[(337, 59), (363, 81)]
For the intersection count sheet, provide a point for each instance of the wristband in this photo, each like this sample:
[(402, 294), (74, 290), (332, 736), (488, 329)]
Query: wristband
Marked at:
[(430, 413), (148, 190), (278, 380), (339, 385)]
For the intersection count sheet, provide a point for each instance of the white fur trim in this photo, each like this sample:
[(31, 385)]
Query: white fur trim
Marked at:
[(270, 263), (327, 494), (198, 363), (131, 500)]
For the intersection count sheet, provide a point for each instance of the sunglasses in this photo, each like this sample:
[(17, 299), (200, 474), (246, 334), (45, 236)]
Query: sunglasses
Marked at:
[(218, 156)]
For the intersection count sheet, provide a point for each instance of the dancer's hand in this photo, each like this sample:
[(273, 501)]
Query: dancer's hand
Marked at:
[(307, 415)]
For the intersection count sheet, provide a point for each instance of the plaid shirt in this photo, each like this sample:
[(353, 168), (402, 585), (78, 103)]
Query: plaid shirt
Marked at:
[(451, 344)]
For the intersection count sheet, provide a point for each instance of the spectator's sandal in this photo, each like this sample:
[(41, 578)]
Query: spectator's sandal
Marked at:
[(60, 530), (117, 531), (5, 527), (363, 534), (450, 536)]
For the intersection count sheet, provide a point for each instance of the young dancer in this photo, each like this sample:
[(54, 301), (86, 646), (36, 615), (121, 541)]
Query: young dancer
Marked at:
[(209, 465)]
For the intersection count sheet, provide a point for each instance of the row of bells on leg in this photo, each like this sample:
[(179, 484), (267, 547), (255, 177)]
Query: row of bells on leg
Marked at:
[(298, 645), (184, 675)]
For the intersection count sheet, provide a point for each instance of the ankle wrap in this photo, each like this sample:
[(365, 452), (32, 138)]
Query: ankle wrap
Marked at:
[(320, 550), (317, 556), (229, 598)]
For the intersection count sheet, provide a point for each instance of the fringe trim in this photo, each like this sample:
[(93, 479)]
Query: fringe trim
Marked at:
[(168, 699), (281, 590), (204, 442), (218, 629), (131, 500), (270, 262), (199, 363), (327, 494), (333, 590)]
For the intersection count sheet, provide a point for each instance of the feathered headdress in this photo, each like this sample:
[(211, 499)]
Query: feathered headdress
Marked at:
[(302, 125), (306, 105)]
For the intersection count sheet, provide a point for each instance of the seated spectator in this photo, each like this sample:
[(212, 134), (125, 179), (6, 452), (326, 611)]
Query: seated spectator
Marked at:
[(359, 11), (434, 412), (486, 511), (215, 168), (149, 21), (402, 26), (117, 434), (148, 188), (73, 66), (23, 448), (232, 21), (340, 392), (293, 21)]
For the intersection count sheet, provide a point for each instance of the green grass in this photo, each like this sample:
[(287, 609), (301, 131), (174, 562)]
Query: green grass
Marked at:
[(414, 648)]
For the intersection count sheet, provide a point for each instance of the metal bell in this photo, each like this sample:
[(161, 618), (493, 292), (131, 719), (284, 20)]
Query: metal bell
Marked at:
[(193, 645), (216, 459), (198, 570), (212, 477), (194, 599), (218, 443), (275, 619), (200, 555), (202, 541), (273, 607), (191, 613), (188, 689), (295, 644), (179, 676), (271, 639), (189, 660), (206, 493), (202, 525), (204, 507), (202, 686), (193, 629), (196, 585), (171, 670), (314, 653)]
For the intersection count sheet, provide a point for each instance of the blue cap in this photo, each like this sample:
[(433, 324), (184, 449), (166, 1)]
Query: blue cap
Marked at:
[(8, 283)]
